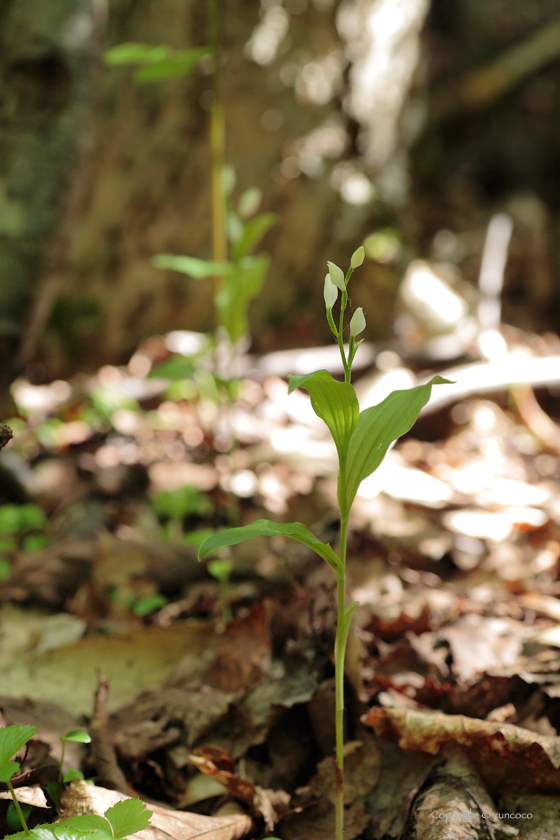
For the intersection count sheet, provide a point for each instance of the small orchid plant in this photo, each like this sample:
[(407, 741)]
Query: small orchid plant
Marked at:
[(362, 439)]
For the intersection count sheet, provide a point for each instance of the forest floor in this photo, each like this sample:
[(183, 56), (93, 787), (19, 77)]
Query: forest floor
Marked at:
[(109, 622)]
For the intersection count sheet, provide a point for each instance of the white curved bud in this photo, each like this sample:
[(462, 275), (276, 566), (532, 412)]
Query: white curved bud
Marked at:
[(330, 292), (357, 322), (358, 257), (337, 276)]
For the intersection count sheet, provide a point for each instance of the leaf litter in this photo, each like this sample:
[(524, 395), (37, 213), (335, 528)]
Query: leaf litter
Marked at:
[(454, 559)]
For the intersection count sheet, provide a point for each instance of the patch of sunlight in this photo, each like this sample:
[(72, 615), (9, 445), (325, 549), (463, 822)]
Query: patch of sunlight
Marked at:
[(39, 398), (431, 299), (262, 47), (383, 44), (493, 525)]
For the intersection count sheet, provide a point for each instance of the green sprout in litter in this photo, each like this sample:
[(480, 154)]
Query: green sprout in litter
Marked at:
[(77, 736), (221, 570), (362, 439), (123, 818)]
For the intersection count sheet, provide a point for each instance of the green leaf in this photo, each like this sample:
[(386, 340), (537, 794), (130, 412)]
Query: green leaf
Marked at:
[(78, 736), (238, 289), (266, 528), (198, 269), (183, 501), (73, 775), (40, 832), (376, 429), (7, 770), (13, 738), (345, 624), (176, 368), (334, 402), (134, 53), (157, 62), (10, 521), (62, 832), (220, 569), (88, 822), (128, 817), (252, 234), (32, 517), (149, 604), (12, 816), (54, 791)]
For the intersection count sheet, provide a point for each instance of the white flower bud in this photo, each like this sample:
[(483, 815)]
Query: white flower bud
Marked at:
[(357, 322), (330, 292), (337, 276), (358, 257)]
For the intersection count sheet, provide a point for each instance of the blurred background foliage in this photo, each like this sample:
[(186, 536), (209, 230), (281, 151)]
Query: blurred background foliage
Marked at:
[(404, 124)]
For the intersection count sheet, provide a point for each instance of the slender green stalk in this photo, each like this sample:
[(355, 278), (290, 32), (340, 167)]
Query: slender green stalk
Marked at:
[(60, 767), (17, 807), (339, 333), (339, 655)]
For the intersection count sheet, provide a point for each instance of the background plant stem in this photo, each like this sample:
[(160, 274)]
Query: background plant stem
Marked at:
[(217, 145)]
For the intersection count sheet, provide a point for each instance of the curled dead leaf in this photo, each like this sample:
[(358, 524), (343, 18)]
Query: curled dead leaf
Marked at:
[(81, 798)]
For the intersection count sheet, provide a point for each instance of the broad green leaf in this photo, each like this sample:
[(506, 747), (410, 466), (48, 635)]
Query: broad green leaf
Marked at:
[(376, 429), (12, 817), (88, 822), (7, 770), (237, 291), (133, 53), (54, 791), (266, 528), (78, 736), (334, 402), (157, 62), (40, 832), (253, 232), (176, 368), (199, 269), (128, 817), (61, 832), (182, 63), (13, 738)]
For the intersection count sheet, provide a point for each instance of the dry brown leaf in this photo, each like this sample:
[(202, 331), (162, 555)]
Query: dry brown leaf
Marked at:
[(219, 765), (28, 795), (428, 731), (132, 662), (81, 798)]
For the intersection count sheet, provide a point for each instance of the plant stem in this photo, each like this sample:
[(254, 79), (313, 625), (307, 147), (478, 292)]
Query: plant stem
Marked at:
[(17, 807), (339, 654), (60, 770), (217, 145)]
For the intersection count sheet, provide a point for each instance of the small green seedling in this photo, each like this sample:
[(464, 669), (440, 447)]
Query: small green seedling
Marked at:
[(21, 527), (176, 506), (122, 819), (362, 439), (55, 789), (76, 736), (221, 570)]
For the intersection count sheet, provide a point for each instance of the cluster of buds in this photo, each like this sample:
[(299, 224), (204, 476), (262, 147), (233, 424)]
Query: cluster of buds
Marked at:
[(336, 281)]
